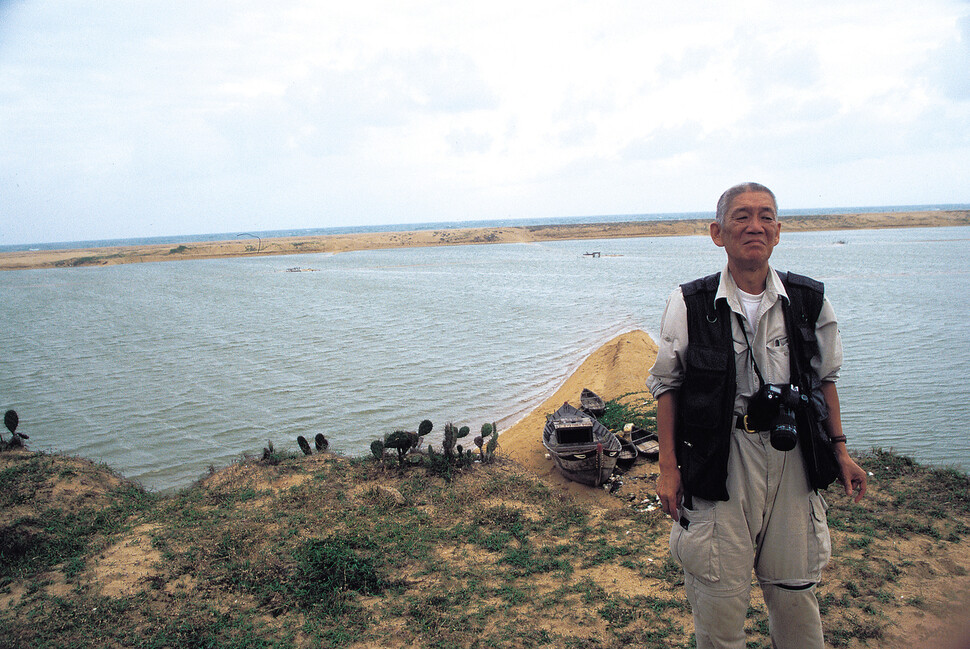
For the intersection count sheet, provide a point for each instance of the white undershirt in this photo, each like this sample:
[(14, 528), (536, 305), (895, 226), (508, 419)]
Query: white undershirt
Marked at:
[(750, 304)]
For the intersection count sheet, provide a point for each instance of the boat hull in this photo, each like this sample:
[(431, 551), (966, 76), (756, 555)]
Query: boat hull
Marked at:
[(592, 403), (583, 449)]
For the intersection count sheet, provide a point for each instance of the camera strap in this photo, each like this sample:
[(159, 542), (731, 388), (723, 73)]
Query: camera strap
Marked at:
[(754, 363), (742, 422)]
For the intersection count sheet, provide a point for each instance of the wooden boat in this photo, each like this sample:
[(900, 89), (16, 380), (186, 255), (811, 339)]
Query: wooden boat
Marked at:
[(628, 455), (583, 449), (646, 442), (592, 402)]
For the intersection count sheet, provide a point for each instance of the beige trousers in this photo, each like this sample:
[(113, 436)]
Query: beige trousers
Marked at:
[(772, 524)]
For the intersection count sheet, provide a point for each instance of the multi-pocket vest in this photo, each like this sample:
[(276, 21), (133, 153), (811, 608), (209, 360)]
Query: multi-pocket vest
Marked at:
[(705, 400)]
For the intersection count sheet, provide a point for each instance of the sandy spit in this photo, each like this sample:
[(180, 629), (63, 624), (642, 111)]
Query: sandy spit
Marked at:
[(618, 368), (241, 247)]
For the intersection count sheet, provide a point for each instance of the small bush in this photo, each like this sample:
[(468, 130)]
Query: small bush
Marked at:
[(329, 567), (625, 410)]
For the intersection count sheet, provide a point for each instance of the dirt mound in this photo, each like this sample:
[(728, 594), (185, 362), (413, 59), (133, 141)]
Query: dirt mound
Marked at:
[(35, 482)]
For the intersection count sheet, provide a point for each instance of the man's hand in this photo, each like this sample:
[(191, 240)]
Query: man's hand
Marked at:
[(851, 474), (852, 477), (670, 491)]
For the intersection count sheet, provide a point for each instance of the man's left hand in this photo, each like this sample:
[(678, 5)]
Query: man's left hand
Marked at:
[(852, 477)]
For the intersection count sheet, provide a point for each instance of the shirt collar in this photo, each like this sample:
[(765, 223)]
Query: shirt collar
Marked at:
[(728, 290)]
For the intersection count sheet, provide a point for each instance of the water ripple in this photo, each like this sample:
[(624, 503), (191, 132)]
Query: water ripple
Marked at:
[(162, 370)]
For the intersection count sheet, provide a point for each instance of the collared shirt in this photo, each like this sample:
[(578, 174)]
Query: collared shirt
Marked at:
[(768, 341)]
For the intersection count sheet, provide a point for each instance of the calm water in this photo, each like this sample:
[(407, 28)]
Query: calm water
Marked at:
[(161, 370)]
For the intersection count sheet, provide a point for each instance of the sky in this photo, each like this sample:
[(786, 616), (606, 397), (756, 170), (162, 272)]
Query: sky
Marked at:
[(123, 118)]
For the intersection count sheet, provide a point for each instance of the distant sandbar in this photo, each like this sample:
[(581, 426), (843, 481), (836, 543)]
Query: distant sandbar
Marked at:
[(448, 237)]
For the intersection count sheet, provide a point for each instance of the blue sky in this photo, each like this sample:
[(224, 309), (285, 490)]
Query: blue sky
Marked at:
[(123, 119)]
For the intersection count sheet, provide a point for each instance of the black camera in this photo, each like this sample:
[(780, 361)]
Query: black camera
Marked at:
[(772, 408)]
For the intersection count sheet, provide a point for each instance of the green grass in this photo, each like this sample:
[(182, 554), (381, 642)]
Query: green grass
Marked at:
[(88, 260), (633, 408), (52, 535), (288, 552)]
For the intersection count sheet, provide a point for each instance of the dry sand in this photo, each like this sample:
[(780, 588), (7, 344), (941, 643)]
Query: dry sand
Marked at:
[(243, 246), (618, 368)]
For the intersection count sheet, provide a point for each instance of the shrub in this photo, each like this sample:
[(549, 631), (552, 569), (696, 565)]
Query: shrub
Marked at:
[(329, 567)]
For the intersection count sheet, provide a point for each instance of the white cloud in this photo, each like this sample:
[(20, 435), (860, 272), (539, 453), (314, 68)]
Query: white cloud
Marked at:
[(121, 118)]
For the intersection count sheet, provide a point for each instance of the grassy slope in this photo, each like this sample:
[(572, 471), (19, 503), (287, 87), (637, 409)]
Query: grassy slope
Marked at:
[(326, 551)]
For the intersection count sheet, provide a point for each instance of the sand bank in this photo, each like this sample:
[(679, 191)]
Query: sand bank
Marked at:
[(241, 247), (618, 368)]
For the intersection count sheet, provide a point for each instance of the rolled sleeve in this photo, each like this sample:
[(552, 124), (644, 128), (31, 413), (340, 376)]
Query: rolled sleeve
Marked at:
[(667, 372)]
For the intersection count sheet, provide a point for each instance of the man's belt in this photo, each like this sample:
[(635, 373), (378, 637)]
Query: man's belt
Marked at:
[(742, 423)]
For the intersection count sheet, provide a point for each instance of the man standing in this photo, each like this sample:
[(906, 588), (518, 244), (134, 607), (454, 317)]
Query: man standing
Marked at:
[(735, 476)]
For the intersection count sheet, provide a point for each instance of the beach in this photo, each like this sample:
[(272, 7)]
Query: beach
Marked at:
[(619, 368), (240, 247)]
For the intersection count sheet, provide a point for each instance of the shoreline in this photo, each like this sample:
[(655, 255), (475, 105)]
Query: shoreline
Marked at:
[(617, 368), (335, 243)]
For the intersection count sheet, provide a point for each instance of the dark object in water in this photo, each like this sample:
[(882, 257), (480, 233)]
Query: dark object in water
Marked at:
[(592, 403), (304, 445), (321, 442), (584, 450)]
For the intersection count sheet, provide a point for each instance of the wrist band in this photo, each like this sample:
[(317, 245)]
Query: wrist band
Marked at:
[(835, 439)]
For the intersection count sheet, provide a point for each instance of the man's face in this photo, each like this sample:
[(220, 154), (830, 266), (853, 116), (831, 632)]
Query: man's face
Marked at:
[(750, 231)]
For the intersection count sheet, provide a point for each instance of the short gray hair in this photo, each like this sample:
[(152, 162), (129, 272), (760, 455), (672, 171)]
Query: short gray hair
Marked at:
[(724, 203)]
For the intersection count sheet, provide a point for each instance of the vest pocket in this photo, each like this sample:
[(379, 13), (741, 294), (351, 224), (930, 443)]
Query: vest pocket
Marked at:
[(806, 336), (703, 421), (695, 546), (705, 381)]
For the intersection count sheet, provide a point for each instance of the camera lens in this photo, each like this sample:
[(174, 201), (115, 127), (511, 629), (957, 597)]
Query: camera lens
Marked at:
[(783, 435)]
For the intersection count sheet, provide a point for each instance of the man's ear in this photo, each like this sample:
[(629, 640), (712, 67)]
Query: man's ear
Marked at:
[(716, 234)]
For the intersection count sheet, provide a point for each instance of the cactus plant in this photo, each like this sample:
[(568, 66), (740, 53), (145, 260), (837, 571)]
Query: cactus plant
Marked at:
[(377, 448), (425, 427), (492, 445), (401, 440), (448, 444)]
